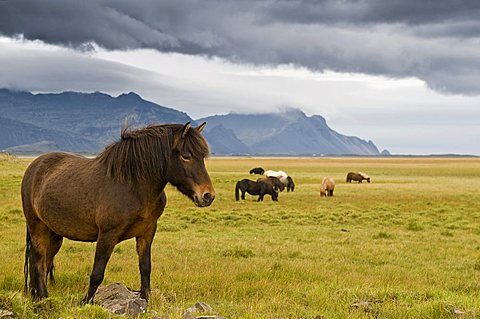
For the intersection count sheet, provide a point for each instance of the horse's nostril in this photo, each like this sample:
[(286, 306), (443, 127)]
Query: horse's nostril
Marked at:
[(207, 196)]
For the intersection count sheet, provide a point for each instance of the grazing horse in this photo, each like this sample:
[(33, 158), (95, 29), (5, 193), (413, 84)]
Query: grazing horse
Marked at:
[(255, 188), (328, 186), (358, 177), (275, 182), (110, 198), (290, 184), (281, 175), (257, 170)]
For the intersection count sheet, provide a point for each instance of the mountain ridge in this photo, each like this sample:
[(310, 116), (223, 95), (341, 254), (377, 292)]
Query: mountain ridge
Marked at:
[(290, 132), (87, 122)]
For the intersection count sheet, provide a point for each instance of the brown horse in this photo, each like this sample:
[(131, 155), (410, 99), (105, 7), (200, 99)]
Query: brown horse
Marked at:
[(274, 181), (328, 186), (357, 176), (116, 196)]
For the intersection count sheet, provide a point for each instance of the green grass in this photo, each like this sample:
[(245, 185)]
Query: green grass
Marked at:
[(408, 244)]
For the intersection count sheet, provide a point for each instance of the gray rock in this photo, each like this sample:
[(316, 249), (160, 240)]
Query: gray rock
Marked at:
[(119, 299), (6, 314), (197, 308)]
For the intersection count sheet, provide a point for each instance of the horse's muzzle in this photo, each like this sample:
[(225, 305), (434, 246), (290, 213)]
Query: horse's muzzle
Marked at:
[(205, 200)]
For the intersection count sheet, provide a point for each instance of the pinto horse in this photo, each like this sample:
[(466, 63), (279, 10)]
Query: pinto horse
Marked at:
[(257, 170), (357, 176), (115, 196), (281, 175)]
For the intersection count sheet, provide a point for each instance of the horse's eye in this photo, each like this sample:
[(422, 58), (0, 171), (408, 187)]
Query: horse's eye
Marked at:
[(186, 157)]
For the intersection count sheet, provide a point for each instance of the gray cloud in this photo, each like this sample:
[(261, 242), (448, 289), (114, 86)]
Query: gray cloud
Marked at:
[(41, 70), (436, 41)]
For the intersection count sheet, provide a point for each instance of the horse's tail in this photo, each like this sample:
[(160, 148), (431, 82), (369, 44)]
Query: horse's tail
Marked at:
[(28, 256), (51, 273), (237, 191)]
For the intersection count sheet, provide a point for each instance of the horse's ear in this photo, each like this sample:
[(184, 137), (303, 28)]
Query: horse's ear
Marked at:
[(201, 127), (185, 129)]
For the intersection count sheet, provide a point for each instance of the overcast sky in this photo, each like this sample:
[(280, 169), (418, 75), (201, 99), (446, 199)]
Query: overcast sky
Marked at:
[(405, 74)]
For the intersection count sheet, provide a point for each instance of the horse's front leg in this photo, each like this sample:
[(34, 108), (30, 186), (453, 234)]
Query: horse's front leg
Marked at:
[(105, 244), (144, 247)]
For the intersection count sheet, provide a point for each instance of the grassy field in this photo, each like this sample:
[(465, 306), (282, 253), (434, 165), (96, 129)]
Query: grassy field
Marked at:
[(405, 246)]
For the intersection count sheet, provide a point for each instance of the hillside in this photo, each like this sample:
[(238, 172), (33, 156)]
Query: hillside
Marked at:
[(79, 122), (291, 132)]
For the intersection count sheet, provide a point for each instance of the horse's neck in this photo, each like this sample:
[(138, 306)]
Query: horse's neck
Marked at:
[(150, 190)]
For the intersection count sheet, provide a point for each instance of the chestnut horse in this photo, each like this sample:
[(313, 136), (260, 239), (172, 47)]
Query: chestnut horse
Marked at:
[(115, 196), (327, 187)]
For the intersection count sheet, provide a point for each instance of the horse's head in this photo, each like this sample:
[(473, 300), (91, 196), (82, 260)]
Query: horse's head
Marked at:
[(278, 183), (323, 192), (187, 170)]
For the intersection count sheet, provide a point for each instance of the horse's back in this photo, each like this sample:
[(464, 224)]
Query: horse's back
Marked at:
[(40, 169), (328, 183)]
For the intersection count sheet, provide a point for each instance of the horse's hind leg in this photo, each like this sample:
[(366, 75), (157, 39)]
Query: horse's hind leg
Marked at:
[(53, 248), (105, 244), (39, 234)]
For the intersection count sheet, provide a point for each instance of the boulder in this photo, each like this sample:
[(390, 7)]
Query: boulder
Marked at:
[(117, 298)]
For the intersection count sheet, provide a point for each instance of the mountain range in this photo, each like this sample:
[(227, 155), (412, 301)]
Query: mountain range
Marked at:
[(87, 122), (290, 132)]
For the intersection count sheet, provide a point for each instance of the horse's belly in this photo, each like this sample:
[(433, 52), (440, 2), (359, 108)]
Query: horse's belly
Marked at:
[(67, 221), (74, 229)]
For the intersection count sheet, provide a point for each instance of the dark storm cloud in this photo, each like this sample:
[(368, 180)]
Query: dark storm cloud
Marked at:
[(436, 41), (410, 12)]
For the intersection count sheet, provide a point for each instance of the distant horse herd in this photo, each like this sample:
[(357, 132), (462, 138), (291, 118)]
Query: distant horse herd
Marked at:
[(275, 182)]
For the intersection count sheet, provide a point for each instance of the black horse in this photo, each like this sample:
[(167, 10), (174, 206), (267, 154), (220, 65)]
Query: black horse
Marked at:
[(255, 188), (257, 170), (290, 184)]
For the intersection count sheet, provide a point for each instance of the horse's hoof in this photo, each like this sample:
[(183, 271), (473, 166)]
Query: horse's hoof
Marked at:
[(86, 301)]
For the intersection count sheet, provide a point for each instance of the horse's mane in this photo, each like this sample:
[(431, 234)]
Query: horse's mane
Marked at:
[(144, 153), (363, 175)]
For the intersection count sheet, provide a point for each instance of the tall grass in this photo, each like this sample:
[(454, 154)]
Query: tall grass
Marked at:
[(405, 246)]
